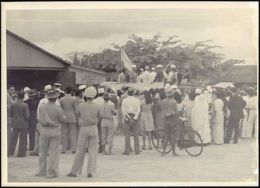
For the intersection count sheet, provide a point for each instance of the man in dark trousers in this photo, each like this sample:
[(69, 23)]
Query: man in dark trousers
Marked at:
[(235, 105), (32, 104), (19, 112), (170, 118), (131, 108)]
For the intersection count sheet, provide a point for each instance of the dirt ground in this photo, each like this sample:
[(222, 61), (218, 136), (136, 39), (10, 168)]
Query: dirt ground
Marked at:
[(218, 163)]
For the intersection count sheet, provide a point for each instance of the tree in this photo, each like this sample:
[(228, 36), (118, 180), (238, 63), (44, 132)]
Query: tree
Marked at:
[(200, 58)]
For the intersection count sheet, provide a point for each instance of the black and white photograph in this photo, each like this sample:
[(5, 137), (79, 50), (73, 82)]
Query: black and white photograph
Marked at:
[(129, 93)]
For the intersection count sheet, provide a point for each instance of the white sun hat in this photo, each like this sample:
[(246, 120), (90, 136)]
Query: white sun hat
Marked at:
[(90, 92), (47, 87), (174, 86), (57, 84), (159, 66), (81, 87), (26, 89)]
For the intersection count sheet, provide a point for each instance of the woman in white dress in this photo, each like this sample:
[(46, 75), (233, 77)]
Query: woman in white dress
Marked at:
[(252, 118), (200, 117), (218, 116), (243, 126)]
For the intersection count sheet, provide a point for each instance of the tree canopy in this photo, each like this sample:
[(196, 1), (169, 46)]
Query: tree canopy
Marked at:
[(199, 58)]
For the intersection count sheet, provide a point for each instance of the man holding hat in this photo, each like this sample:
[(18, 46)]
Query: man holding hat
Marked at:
[(170, 115), (131, 108), (50, 119), (89, 114)]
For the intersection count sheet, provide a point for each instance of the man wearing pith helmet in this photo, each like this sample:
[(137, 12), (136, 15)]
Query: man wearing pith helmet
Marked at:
[(88, 114)]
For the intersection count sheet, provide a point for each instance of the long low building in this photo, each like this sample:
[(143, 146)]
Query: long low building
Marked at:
[(88, 76), (241, 75), (29, 65)]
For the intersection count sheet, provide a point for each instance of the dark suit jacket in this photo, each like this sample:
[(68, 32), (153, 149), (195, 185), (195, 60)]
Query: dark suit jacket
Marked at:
[(236, 105), (19, 112)]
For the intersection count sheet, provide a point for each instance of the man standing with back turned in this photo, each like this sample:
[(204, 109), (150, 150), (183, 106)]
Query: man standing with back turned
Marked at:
[(131, 108), (69, 131)]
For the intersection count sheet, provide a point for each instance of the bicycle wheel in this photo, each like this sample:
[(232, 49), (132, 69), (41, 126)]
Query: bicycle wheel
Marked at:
[(158, 137), (192, 143)]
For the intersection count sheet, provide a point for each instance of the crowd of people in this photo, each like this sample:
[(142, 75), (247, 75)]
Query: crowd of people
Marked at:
[(148, 75), (86, 119)]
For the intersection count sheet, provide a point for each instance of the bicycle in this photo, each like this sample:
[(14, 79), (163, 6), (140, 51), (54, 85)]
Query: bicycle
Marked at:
[(189, 140)]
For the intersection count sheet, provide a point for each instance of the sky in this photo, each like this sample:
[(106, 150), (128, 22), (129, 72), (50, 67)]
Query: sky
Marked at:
[(92, 30)]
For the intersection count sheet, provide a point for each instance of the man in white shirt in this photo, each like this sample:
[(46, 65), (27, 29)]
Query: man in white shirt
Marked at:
[(140, 76), (146, 76), (131, 108), (26, 96), (172, 76), (152, 75)]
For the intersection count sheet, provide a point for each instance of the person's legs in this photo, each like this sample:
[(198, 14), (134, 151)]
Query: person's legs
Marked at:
[(174, 138), (22, 142), (64, 137), (230, 128), (136, 131), (13, 142), (73, 137), (37, 138), (110, 134), (99, 136), (143, 136), (167, 135), (236, 128), (9, 130), (54, 152), (149, 140), (127, 138), (251, 122), (80, 153), (31, 131), (104, 138), (43, 152), (92, 149)]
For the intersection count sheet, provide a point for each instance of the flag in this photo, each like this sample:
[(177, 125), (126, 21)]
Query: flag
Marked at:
[(126, 61)]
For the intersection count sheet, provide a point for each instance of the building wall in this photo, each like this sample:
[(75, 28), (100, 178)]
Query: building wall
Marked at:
[(21, 55), (84, 76)]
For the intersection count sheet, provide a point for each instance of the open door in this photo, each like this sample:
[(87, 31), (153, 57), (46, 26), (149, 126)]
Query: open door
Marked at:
[(67, 79)]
